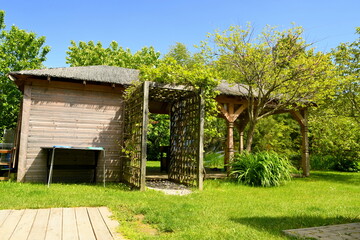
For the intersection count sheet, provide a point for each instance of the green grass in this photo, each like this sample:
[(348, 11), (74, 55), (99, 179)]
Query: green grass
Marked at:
[(224, 210)]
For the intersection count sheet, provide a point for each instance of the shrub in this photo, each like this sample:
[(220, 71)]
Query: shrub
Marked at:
[(343, 163), (321, 162), (346, 164), (214, 160), (264, 169)]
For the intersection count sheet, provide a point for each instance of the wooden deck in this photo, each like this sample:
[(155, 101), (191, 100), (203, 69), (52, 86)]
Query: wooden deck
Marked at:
[(58, 224)]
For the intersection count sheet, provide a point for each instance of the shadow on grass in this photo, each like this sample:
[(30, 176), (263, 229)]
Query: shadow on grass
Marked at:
[(275, 225), (336, 177)]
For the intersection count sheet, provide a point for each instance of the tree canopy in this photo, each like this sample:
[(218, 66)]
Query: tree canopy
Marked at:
[(87, 54), (278, 69), (19, 50), (347, 60)]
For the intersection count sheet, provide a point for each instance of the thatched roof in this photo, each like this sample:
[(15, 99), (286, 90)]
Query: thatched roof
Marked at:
[(232, 89), (109, 74), (103, 74)]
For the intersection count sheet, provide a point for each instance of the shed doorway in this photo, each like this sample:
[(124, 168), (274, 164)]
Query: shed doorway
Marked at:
[(186, 109)]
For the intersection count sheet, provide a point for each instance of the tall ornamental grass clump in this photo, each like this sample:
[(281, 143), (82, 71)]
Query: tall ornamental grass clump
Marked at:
[(265, 169)]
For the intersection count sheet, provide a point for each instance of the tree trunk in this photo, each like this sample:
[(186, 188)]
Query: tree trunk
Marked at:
[(250, 135)]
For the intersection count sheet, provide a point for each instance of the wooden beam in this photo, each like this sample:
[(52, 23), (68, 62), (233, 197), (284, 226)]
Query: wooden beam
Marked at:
[(145, 122), (239, 111), (229, 146), (301, 117), (298, 117), (25, 115), (240, 126), (200, 152), (305, 158), (229, 113), (230, 99), (224, 112)]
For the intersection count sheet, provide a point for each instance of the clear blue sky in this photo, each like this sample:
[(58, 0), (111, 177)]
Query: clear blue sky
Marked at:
[(162, 23)]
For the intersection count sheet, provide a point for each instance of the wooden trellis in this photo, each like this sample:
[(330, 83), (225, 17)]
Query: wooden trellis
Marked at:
[(135, 132), (186, 150), (187, 124)]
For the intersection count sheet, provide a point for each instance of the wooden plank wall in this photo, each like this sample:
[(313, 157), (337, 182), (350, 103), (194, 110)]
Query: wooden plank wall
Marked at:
[(72, 114)]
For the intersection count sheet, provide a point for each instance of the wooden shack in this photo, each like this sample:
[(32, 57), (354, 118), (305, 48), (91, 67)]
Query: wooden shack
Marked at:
[(76, 106)]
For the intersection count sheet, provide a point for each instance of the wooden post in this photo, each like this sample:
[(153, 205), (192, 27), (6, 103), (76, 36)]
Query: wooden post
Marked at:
[(301, 117), (241, 142), (230, 115), (230, 145), (144, 136), (200, 177), (25, 115), (305, 159), (240, 126)]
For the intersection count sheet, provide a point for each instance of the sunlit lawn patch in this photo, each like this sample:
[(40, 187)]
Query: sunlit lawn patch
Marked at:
[(224, 210)]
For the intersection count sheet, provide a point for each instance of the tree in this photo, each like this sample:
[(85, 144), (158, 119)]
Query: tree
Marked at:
[(19, 50), (347, 60), (86, 54), (278, 69)]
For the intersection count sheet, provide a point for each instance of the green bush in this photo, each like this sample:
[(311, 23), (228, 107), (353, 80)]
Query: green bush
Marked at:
[(214, 160), (346, 164), (321, 162), (343, 163), (264, 169)]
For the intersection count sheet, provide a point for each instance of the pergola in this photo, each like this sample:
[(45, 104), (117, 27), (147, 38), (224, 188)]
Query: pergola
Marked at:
[(233, 106), (186, 109)]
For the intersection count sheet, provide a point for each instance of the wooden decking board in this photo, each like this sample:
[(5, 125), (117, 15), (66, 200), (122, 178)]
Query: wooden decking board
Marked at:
[(70, 230), (58, 223), (84, 224), (3, 216), (99, 226), (38, 229), (54, 228), (111, 224), (23, 227), (8, 227)]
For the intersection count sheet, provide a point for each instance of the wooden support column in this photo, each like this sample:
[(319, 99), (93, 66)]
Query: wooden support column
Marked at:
[(301, 116), (230, 142), (25, 115), (240, 125), (200, 163), (228, 111), (145, 121), (241, 142)]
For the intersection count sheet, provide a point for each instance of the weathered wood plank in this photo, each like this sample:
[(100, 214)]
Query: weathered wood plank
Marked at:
[(112, 224), (54, 228), (61, 115), (100, 228), (22, 230), (200, 150), (77, 86), (10, 224), (3, 215), (84, 225), (25, 114), (69, 231)]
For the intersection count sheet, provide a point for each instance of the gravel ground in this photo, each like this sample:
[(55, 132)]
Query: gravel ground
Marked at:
[(168, 187)]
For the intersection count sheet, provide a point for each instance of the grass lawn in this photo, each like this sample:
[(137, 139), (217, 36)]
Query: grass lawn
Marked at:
[(224, 210)]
